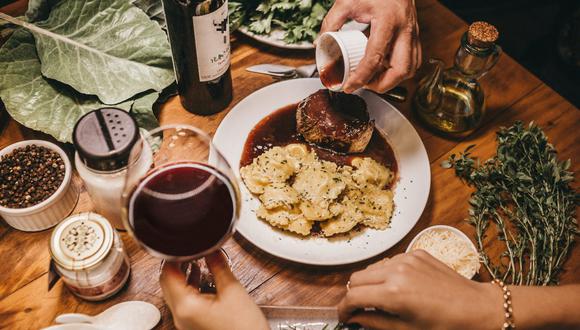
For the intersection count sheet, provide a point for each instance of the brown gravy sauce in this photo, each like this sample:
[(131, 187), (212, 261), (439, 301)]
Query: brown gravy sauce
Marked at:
[(279, 129), (332, 74)]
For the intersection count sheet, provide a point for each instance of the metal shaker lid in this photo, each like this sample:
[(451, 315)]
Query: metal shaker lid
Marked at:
[(81, 241), (104, 137)]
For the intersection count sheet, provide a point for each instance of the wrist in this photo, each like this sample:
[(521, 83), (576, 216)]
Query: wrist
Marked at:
[(492, 310)]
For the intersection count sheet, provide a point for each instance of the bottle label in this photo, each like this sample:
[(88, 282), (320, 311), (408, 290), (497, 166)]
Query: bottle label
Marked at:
[(212, 42)]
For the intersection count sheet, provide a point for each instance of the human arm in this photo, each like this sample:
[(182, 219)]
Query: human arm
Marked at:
[(230, 308), (416, 291), (393, 51)]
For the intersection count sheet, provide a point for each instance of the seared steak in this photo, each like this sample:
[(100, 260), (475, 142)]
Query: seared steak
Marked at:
[(339, 121)]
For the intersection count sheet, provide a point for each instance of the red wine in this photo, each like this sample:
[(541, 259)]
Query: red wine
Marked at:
[(182, 210), (200, 44), (333, 74)]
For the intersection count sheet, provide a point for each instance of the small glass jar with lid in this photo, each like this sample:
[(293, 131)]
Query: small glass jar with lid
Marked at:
[(89, 256), (451, 101), (103, 139)]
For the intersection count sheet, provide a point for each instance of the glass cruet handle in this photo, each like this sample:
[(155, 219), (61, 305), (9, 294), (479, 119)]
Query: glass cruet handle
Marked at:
[(430, 93)]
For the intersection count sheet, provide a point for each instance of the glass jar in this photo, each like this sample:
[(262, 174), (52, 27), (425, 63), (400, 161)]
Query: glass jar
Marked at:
[(103, 139), (89, 256), (451, 101)]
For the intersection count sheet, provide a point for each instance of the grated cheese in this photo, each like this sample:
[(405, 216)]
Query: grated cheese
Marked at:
[(451, 249)]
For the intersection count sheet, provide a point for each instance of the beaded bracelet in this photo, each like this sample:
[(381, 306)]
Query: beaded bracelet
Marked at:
[(509, 323)]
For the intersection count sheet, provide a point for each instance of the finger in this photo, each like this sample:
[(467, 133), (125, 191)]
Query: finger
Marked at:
[(383, 262), (400, 65), (367, 277), (377, 265), (194, 277), (377, 46), (418, 46), (378, 320), (335, 18), (174, 285), (376, 273), (218, 265), (422, 257), (368, 296), (414, 53)]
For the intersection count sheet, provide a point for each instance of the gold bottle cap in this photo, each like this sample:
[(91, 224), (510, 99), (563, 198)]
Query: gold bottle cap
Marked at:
[(482, 34), (81, 241)]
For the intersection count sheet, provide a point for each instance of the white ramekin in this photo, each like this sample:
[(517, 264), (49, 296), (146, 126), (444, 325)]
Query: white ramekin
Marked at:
[(444, 227), (350, 45), (50, 211)]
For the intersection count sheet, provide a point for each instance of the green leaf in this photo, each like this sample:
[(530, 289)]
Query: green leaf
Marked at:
[(153, 9), (300, 20), (34, 101), (446, 164), (142, 111), (107, 48), (236, 14)]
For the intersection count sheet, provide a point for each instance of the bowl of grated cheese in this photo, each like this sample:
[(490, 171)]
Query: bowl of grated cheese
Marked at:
[(450, 246)]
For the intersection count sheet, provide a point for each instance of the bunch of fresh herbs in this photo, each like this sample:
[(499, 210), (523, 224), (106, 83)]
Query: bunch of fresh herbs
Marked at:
[(525, 192), (70, 57), (299, 19)]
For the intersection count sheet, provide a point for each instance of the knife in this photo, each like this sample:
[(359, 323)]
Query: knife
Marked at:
[(276, 70), (304, 318)]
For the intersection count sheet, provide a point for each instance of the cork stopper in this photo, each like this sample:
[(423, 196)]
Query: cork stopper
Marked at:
[(482, 34)]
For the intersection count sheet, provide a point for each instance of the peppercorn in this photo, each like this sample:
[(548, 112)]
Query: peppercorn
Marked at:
[(29, 175)]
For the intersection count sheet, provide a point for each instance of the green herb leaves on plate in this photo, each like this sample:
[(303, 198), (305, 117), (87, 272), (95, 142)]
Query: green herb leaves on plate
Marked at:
[(299, 19), (525, 192)]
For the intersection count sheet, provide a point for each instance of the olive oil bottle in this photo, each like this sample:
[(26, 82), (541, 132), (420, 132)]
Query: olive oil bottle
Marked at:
[(451, 101)]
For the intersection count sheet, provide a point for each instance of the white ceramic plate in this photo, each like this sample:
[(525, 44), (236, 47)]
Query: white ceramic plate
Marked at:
[(411, 190), (276, 36)]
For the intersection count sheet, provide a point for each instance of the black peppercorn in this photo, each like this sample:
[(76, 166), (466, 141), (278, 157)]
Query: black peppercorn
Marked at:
[(29, 175)]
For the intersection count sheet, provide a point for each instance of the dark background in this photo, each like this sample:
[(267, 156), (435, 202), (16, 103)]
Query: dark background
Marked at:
[(542, 35)]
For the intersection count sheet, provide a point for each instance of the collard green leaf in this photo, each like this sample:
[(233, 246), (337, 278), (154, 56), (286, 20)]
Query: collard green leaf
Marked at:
[(142, 111), (37, 102), (107, 48), (153, 9)]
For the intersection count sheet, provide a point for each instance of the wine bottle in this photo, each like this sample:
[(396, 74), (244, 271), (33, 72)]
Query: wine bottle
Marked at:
[(200, 44)]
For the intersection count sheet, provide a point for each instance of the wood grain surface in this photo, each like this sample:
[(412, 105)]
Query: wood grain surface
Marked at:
[(512, 94)]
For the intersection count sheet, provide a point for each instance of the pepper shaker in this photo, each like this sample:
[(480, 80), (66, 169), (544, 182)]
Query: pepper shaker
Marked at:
[(103, 139)]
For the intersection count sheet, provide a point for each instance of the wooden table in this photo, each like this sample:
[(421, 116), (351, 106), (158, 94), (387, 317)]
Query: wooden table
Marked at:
[(512, 94)]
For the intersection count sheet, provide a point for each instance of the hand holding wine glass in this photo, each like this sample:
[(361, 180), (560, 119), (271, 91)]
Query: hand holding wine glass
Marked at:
[(185, 207), (229, 308)]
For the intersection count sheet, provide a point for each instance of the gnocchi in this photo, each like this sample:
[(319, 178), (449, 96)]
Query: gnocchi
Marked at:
[(297, 189)]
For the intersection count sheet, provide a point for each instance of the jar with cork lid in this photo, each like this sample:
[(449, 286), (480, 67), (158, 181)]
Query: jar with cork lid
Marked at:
[(451, 101)]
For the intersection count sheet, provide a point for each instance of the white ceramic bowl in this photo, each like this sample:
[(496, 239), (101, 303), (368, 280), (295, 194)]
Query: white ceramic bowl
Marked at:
[(350, 45), (50, 211), (451, 229)]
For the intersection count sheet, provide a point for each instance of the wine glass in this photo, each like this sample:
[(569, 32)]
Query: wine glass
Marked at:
[(185, 204)]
